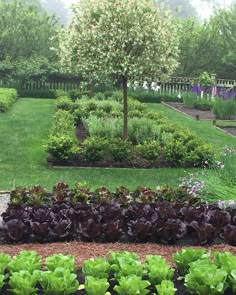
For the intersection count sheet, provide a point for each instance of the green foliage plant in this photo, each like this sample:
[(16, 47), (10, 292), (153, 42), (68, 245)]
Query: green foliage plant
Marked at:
[(94, 148), (186, 256), (224, 109), (205, 80), (59, 282), (132, 285), (4, 261), (26, 260), (205, 278), (166, 288), (97, 268), (60, 260), (157, 269), (120, 150), (2, 277), (126, 267), (96, 286), (8, 96), (189, 99), (24, 282), (64, 103), (150, 150)]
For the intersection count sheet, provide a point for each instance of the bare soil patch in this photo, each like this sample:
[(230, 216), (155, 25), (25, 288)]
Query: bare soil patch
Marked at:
[(86, 250), (203, 115), (228, 129)]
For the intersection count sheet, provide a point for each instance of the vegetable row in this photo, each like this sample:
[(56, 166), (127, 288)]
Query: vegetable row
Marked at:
[(196, 272), (110, 222)]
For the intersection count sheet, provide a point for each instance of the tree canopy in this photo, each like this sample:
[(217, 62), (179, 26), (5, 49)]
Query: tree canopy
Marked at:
[(130, 40)]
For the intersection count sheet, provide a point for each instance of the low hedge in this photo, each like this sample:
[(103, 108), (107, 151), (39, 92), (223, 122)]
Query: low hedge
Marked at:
[(8, 97)]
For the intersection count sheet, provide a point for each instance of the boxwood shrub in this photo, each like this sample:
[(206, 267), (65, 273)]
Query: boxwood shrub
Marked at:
[(7, 97)]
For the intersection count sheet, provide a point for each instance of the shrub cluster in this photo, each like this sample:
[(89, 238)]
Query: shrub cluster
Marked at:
[(192, 100), (152, 140), (7, 97), (62, 142)]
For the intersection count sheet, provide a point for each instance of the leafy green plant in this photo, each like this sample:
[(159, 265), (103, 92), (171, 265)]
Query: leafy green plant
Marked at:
[(204, 278), (27, 260), (203, 105), (24, 282), (64, 103), (166, 288), (96, 286), (132, 285), (120, 150), (150, 150), (126, 267), (186, 256), (60, 260), (59, 282), (98, 268), (157, 269), (4, 261), (94, 148), (114, 256)]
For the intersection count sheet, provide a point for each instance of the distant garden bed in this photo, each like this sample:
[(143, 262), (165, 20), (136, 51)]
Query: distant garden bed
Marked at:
[(88, 132)]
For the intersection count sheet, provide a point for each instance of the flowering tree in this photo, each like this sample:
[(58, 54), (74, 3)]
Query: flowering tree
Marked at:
[(129, 40)]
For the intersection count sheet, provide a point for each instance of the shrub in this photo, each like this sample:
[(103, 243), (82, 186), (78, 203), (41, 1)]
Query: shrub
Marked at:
[(78, 93), (36, 93), (203, 105), (120, 150), (150, 150), (7, 97), (60, 92), (94, 148), (224, 109), (62, 141), (64, 103), (146, 96), (99, 96), (61, 146)]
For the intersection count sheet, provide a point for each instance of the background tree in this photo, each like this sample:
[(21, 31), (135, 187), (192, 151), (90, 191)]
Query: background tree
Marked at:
[(27, 34), (130, 40)]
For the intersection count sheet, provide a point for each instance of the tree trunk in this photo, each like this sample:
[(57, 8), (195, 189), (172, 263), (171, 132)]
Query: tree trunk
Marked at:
[(125, 102)]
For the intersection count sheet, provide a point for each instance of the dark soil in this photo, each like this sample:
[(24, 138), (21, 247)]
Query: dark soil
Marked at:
[(228, 129), (202, 115)]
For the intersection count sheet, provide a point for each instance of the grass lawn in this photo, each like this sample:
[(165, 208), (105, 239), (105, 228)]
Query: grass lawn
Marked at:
[(24, 130)]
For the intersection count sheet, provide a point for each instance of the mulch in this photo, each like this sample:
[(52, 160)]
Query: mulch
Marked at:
[(86, 250)]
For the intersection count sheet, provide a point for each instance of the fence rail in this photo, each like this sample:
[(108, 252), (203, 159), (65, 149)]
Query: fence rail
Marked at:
[(173, 85)]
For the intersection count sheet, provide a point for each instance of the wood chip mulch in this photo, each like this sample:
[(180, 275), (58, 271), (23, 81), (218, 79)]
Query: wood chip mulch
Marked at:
[(85, 250)]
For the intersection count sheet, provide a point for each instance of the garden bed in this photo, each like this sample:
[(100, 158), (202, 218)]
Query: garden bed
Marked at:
[(192, 112), (229, 129)]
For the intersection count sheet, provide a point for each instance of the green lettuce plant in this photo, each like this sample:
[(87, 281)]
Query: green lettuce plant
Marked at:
[(2, 277), (26, 260), (4, 261), (98, 268), (126, 267), (60, 260), (24, 282), (186, 256), (96, 286), (166, 288), (132, 285), (204, 278), (114, 256), (59, 282), (157, 269)]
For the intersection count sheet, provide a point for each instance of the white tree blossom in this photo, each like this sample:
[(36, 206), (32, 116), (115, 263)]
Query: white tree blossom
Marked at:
[(129, 40)]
